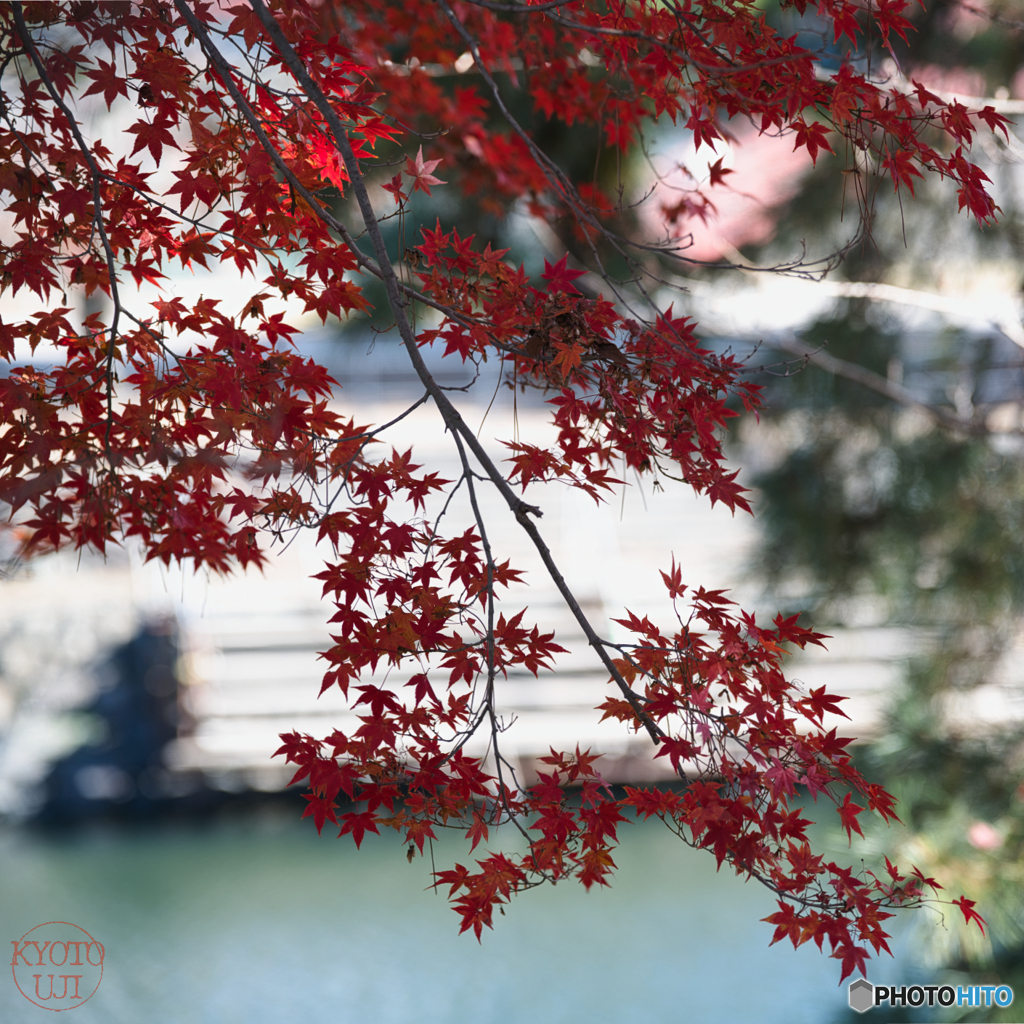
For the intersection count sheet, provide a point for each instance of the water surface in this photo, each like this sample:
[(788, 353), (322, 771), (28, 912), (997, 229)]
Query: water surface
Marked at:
[(257, 920)]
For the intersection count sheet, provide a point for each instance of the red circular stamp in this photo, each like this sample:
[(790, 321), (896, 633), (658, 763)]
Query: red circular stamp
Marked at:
[(57, 965)]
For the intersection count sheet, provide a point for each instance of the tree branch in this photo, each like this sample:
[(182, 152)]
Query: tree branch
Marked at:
[(453, 419), (879, 384)]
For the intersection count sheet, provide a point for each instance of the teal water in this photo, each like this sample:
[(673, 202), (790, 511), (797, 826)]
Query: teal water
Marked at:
[(258, 920)]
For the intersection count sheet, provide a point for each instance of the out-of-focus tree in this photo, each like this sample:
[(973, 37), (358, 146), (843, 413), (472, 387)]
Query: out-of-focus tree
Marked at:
[(897, 494)]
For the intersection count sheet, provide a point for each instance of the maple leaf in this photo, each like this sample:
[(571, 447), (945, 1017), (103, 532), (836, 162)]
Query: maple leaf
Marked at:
[(803, 861), (560, 278), (924, 97), (848, 813), (893, 872), (420, 171), (418, 832), (813, 137), (358, 824), (820, 703), (845, 24), (456, 878), (996, 122), (971, 916), (853, 958), (787, 925), (394, 186), (902, 170), (243, 504), (881, 801), (704, 130), (718, 172), (650, 802), (888, 20), (153, 135), (927, 881), (477, 831), (596, 865), (322, 810), (956, 121), (108, 80)]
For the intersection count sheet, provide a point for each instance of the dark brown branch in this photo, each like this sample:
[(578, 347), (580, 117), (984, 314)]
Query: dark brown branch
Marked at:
[(449, 413)]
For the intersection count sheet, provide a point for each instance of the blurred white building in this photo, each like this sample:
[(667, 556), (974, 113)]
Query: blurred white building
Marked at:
[(249, 664)]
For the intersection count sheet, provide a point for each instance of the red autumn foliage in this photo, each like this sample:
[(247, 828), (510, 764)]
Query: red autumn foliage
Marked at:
[(196, 429)]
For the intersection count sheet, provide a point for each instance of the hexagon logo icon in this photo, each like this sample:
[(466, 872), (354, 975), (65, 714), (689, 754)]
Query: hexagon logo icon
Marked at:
[(862, 995)]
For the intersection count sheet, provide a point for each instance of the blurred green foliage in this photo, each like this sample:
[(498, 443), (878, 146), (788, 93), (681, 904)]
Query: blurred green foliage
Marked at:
[(874, 513), (869, 514)]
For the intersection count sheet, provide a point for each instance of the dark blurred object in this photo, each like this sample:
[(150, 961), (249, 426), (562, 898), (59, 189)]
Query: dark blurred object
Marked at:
[(137, 712)]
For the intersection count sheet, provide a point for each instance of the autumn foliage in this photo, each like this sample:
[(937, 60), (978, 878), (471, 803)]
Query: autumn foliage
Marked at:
[(277, 139)]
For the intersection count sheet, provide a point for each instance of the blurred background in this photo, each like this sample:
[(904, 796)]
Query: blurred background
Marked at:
[(140, 706)]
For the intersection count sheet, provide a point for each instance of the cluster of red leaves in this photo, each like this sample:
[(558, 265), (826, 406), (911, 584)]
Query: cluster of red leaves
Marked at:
[(751, 744), (195, 428), (641, 397), (615, 65)]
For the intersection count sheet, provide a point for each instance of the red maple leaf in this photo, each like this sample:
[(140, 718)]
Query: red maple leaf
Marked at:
[(970, 914), (108, 80), (358, 824), (321, 808), (153, 135), (394, 186), (420, 171), (996, 122), (813, 137), (848, 813), (560, 278), (853, 958), (718, 172)]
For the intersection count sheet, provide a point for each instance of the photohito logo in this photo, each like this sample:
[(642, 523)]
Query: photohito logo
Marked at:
[(864, 995)]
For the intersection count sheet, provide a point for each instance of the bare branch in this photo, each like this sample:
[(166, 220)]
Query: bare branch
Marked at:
[(875, 382)]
